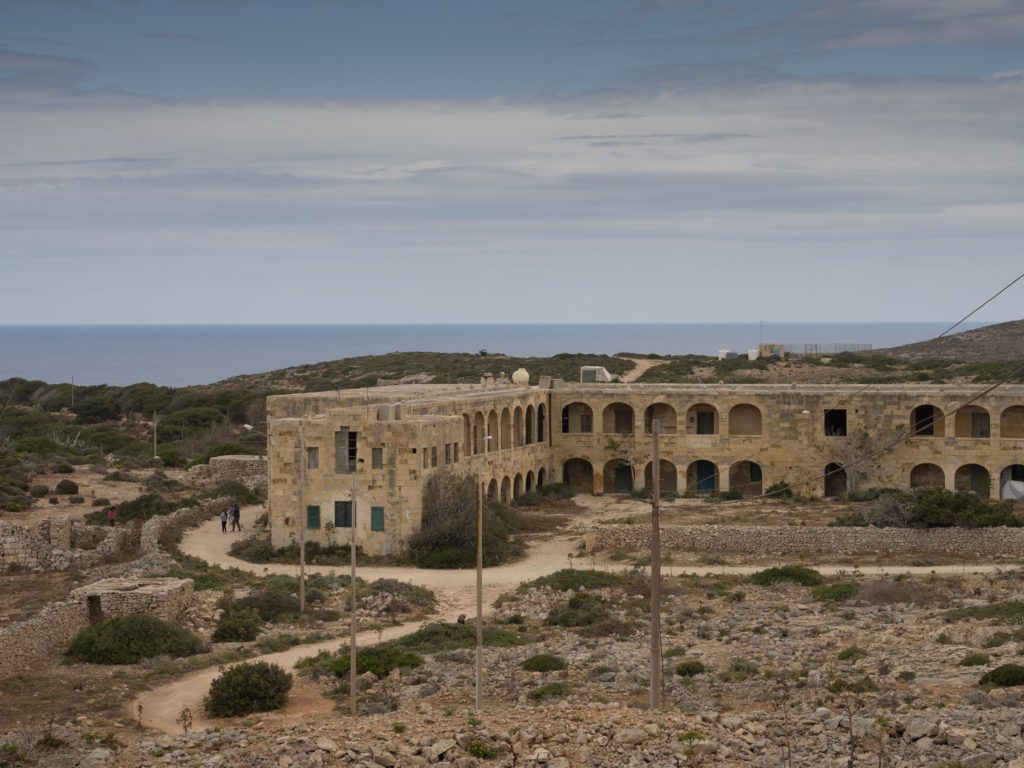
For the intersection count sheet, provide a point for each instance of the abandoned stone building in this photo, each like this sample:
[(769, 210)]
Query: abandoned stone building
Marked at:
[(377, 446)]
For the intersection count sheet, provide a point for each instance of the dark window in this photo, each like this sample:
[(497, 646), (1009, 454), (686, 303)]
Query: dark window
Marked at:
[(376, 518), (587, 422), (345, 454), (447, 453), (426, 458), (343, 514), (433, 456), (924, 420), (377, 458), (835, 422), (313, 458), (313, 517), (705, 423), (455, 452)]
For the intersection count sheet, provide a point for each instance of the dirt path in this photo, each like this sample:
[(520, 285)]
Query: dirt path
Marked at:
[(456, 593), (641, 365)]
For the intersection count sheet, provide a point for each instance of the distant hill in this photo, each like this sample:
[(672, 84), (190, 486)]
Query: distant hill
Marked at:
[(991, 344)]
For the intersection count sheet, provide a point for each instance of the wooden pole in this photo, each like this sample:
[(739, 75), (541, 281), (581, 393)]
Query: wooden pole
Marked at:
[(352, 590), (479, 586), (655, 568), (155, 454), (301, 521)]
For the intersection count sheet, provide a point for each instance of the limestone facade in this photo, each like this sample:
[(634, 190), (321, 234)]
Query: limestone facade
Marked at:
[(378, 445)]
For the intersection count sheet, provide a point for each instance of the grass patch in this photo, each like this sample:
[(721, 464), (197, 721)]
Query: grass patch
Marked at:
[(835, 593), (853, 653), (1005, 612), (974, 660), (544, 662)]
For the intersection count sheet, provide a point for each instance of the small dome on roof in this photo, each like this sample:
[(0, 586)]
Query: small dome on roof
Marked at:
[(521, 378)]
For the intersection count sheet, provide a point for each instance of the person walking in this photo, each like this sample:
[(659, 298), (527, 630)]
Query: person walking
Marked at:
[(224, 521), (238, 517), (112, 516)]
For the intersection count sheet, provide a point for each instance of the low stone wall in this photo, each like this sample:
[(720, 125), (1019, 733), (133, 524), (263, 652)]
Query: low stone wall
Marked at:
[(50, 632), (186, 517), (250, 471), (795, 540), (58, 543)]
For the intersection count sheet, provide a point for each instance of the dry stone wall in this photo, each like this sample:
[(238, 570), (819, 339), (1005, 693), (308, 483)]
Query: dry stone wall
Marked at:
[(796, 540), (250, 471), (186, 517), (58, 544)]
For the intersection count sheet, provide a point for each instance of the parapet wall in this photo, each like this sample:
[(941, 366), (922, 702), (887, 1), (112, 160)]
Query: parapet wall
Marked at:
[(50, 632), (250, 471), (798, 540)]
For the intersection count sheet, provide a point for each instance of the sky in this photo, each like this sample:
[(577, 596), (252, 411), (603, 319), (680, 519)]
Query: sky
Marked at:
[(475, 161)]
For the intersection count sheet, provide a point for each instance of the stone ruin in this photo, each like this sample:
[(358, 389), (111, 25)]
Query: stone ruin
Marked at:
[(59, 543), (250, 471)]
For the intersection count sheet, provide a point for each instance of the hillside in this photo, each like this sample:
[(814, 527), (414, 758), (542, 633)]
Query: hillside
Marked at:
[(1001, 342)]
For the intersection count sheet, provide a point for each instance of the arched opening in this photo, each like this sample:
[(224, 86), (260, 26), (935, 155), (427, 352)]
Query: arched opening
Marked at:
[(540, 423), (663, 411), (467, 432), (541, 474), (973, 477), (745, 420), (505, 441), (1011, 482), (479, 432), (702, 476), (745, 477), (492, 490), (517, 429), (972, 421), (578, 474), (667, 477), (529, 481), (531, 416), (506, 490), (517, 486), (927, 476), (702, 419), (1011, 422), (927, 421), (835, 480), (577, 419), (618, 419), (618, 476), (491, 438)]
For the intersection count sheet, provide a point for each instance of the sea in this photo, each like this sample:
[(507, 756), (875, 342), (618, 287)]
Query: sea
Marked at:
[(184, 355)]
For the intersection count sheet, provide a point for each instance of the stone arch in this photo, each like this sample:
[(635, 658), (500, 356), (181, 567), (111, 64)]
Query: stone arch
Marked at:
[(517, 427), (492, 490), (702, 419), (973, 477), (667, 477), (1011, 422), (702, 476), (531, 416), (541, 413), (662, 411), (529, 481), (577, 419), (927, 420), (745, 420), (517, 485), (491, 444), (618, 476), (505, 436), (1011, 482), (617, 419), (835, 480), (972, 421), (542, 474), (479, 432), (506, 489), (746, 477), (578, 474), (927, 476)]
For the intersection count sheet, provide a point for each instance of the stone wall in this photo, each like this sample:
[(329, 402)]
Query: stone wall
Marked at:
[(250, 471), (798, 540), (50, 632), (186, 517), (59, 543)]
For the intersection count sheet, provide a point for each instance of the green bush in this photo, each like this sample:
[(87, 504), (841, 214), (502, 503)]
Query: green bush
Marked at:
[(253, 549), (67, 487), (549, 691), (269, 604), (442, 636), (930, 507), (974, 660), (103, 501), (557, 491), (238, 627), (172, 457), (544, 662), (780, 490), (128, 639), (482, 750), (573, 579), (1004, 676), (245, 688), (141, 508), (853, 653), (580, 610), (1006, 611), (689, 668), (39, 490), (797, 574), (238, 492), (857, 684), (379, 659), (835, 593)]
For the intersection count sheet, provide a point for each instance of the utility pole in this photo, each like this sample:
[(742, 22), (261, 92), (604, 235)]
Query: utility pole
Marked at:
[(655, 568), (302, 521), (352, 591), (479, 584), (155, 454)]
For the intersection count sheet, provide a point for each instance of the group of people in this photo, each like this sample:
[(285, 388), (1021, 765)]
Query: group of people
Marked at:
[(234, 514)]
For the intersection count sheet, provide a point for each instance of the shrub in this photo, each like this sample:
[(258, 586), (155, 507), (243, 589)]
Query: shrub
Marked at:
[(1004, 676), (76, 499), (569, 578), (103, 501), (482, 750), (739, 670), (269, 604), (997, 639), (853, 653), (172, 457), (67, 487), (239, 627), (857, 684), (797, 574), (38, 491), (253, 549), (544, 662), (835, 593), (379, 659), (557, 491), (141, 508), (580, 610), (245, 688), (974, 660), (930, 507), (549, 691), (128, 639), (689, 668), (233, 489), (780, 490), (1007, 611)]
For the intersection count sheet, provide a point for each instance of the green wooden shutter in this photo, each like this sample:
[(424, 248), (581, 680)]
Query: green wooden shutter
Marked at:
[(376, 518), (343, 514), (313, 516)]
